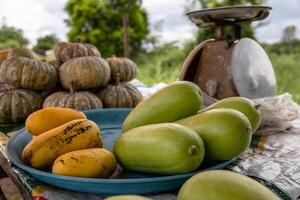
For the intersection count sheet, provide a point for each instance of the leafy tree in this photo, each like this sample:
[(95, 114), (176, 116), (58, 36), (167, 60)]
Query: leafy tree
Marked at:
[(289, 34), (45, 43), (11, 37), (99, 22), (206, 33)]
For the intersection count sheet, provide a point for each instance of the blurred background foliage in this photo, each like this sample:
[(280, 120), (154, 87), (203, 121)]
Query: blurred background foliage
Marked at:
[(100, 22), (45, 43), (11, 37)]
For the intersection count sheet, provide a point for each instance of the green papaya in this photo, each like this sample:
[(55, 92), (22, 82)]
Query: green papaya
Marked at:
[(225, 185), (166, 148), (127, 197), (173, 102), (225, 132), (244, 105)]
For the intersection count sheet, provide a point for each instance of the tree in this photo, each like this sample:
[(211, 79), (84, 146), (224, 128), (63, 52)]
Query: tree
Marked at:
[(45, 43), (11, 37), (206, 33), (289, 34), (99, 22)]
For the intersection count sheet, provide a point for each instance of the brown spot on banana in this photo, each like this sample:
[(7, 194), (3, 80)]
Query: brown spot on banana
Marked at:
[(103, 166), (74, 159), (71, 126), (69, 139)]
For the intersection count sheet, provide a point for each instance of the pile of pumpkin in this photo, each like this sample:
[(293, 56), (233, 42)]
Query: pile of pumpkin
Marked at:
[(79, 78)]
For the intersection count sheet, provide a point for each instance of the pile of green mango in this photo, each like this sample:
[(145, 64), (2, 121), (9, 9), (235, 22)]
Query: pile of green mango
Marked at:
[(168, 133)]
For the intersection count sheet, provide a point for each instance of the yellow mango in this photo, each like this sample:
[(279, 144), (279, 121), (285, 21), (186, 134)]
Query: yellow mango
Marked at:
[(43, 149), (48, 118), (88, 163)]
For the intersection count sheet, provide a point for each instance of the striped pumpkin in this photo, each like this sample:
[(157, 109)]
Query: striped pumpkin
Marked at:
[(78, 100), (122, 95), (65, 51), (84, 73), (17, 104), (5, 87), (54, 63), (125, 67), (27, 73)]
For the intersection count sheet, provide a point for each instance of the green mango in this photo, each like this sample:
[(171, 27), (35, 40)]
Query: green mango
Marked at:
[(166, 148), (223, 185), (226, 132), (244, 105), (127, 197), (173, 102)]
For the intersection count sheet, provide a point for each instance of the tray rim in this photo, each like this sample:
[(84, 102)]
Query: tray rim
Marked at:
[(29, 169), (11, 156)]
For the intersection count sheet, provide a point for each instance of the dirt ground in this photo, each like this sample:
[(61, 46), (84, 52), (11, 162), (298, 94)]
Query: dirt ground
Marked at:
[(9, 189)]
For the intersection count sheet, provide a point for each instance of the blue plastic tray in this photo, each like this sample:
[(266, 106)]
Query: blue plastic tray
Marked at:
[(110, 122)]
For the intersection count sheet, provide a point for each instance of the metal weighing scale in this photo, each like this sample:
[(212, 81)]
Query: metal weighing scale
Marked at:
[(224, 67)]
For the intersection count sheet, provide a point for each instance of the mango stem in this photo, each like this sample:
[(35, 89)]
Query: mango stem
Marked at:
[(193, 150), (257, 106)]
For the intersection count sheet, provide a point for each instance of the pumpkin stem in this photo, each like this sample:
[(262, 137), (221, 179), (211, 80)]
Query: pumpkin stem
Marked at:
[(72, 90), (78, 39), (117, 78)]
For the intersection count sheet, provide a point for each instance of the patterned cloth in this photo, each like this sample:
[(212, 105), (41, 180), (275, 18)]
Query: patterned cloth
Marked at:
[(274, 155), (277, 156)]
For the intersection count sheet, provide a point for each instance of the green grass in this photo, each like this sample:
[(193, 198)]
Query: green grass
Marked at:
[(287, 69), (165, 66), (154, 72), (162, 65)]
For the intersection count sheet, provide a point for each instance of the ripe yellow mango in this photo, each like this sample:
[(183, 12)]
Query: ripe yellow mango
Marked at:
[(48, 118), (43, 149), (88, 163)]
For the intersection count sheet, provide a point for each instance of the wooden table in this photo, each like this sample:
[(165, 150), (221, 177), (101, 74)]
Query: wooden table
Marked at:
[(6, 171)]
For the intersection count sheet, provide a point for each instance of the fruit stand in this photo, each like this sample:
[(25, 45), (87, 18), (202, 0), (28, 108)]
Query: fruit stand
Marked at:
[(271, 159), (81, 127)]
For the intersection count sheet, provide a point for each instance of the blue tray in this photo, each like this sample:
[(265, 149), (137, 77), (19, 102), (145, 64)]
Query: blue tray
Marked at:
[(110, 122)]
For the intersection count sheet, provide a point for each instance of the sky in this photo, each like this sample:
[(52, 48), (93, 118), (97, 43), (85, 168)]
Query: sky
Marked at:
[(40, 17)]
